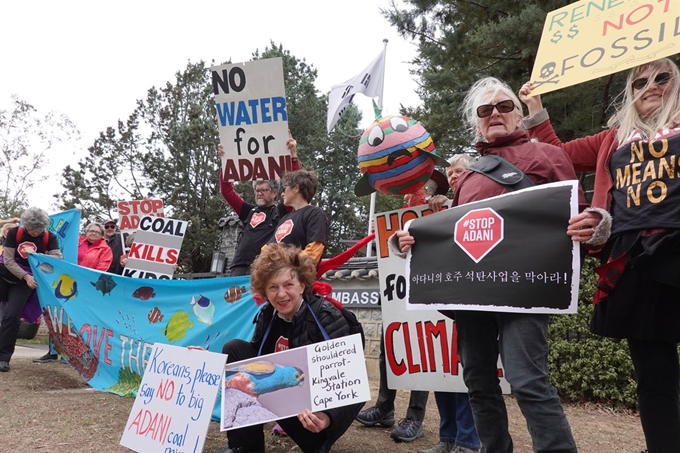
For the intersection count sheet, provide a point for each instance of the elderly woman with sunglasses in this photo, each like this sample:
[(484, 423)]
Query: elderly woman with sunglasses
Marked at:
[(492, 112), (636, 179)]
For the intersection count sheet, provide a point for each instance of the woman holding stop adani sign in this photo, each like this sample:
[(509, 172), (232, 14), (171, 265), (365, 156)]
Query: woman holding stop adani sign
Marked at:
[(636, 178), (494, 115)]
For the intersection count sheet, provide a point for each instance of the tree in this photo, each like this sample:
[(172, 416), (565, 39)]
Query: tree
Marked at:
[(167, 149), (460, 41), (26, 137)]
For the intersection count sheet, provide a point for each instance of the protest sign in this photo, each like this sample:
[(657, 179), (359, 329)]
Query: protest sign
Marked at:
[(508, 253), (173, 407), (318, 377), (252, 119), (130, 212), (593, 38), (420, 346), (156, 248)]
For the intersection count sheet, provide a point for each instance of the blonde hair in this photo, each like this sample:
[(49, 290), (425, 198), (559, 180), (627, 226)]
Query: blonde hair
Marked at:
[(479, 91), (628, 120)]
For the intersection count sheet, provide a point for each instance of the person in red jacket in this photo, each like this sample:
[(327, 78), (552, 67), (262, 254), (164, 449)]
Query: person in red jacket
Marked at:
[(636, 179), (93, 251)]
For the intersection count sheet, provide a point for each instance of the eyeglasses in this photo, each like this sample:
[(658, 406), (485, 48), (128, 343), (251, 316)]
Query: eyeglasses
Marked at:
[(661, 78), (95, 231), (485, 110), (262, 191), (110, 227)]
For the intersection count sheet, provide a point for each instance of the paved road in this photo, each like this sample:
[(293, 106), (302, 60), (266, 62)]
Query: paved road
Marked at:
[(30, 350)]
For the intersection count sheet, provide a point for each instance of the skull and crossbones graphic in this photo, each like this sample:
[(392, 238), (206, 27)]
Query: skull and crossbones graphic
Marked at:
[(547, 75)]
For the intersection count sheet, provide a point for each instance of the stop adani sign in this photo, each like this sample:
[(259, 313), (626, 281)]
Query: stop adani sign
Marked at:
[(478, 232)]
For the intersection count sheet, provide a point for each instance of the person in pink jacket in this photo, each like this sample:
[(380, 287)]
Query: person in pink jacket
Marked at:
[(93, 251), (637, 180)]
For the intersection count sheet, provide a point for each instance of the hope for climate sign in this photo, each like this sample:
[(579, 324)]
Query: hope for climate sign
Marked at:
[(593, 38), (252, 119), (509, 253)]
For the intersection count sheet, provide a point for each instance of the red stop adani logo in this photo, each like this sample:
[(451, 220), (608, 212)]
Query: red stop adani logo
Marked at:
[(478, 232)]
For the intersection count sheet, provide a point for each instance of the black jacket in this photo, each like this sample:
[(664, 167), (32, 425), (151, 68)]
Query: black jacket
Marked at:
[(304, 332)]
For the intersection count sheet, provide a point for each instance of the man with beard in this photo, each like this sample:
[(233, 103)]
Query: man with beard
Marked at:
[(259, 219)]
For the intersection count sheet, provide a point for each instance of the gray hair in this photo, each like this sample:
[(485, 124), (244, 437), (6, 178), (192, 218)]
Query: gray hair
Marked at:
[(273, 184), (35, 219), (431, 187), (461, 158), (482, 89), (97, 224)]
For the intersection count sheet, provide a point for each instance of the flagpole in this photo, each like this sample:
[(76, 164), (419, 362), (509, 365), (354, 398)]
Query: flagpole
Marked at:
[(371, 210)]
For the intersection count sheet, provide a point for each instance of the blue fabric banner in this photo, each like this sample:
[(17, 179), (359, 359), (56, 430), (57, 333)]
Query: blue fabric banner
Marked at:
[(105, 325), (66, 225)]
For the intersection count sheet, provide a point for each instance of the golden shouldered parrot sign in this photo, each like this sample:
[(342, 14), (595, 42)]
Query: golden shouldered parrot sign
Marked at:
[(593, 38)]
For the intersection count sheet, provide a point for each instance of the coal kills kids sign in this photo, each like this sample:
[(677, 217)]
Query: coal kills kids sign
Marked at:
[(156, 248), (250, 100), (508, 253)]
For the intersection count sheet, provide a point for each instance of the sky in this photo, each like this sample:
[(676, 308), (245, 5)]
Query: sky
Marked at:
[(92, 60)]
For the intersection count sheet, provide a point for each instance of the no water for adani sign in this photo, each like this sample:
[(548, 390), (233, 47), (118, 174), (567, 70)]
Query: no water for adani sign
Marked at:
[(250, 99), (593, 38), (156, 248), (174, 403)]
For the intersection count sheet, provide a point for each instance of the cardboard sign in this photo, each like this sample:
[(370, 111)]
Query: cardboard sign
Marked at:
[(156, 248), (130, 212), (593, 38), (174, 403), (318, 377), (420, 346), (252, 119), (508, 253)]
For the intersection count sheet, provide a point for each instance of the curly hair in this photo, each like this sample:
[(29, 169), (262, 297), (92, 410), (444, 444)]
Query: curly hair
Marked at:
[(280, 257), (34, 219), (306, 180)]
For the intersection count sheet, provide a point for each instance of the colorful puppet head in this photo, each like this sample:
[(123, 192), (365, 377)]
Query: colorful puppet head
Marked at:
[(396, 156)]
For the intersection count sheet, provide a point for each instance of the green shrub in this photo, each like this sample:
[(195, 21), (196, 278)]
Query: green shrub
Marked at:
[(584, 366)]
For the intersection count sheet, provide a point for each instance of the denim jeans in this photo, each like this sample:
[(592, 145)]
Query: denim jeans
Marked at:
[(456, 424), (521, 339)]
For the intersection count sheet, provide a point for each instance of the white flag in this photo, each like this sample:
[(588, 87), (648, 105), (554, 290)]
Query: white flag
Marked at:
[(369, 82)]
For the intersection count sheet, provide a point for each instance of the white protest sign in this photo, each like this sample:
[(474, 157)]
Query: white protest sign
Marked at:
[(131, 211), (318, 377), (420, 346), (252, 120), (156, 248), (174, 403)]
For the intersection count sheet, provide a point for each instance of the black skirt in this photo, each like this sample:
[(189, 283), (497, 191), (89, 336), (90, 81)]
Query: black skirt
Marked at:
[(644, 303)]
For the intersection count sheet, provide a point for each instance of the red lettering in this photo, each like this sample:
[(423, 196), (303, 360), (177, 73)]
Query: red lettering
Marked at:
[(123, 208), (421, 345), (172, 256), (134, 250), (412, 367), (437, 330), (398, 368), (157, 206)]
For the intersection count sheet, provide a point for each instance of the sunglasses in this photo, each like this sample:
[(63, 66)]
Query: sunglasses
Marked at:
[(661, 78), (110, 227), (485, 110)]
